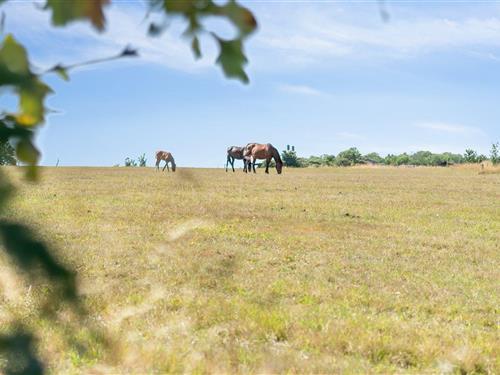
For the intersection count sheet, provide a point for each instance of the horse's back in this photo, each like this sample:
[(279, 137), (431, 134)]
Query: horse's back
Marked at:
[(163, 155)]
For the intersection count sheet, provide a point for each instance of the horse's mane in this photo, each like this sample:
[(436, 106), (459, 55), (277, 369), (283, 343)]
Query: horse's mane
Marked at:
[(276, 155)]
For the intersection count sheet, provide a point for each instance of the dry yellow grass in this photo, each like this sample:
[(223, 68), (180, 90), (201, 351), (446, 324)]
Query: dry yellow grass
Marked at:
[(389, 270)]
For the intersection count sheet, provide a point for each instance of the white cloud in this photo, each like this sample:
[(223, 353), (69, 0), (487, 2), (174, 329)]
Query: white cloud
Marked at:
[(300, 89), (301, 35), (319, 35), (449, 128)]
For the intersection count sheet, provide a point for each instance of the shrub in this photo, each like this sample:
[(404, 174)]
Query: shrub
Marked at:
[(130, 162), (348, 157), (142, 160), (470, 156), (494, 153), (290, 158)]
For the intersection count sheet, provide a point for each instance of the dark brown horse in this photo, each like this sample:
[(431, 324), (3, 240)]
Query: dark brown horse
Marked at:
[(255, 151), (236, 153), (167, 156)]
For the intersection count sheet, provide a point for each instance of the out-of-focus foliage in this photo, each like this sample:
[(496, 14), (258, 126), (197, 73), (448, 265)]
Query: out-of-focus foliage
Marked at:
[(231, 56), (66, 11), (7, 153)]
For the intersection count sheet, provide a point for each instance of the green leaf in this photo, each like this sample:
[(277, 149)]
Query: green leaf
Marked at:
[(13, 59), (32, 103), (15, 72), (232, 59), (61, 71), (195, 46), (66, 11), (241, 17), (26, 152)]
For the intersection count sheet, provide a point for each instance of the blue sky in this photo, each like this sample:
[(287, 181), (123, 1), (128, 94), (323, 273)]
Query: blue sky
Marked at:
[(325, 76)]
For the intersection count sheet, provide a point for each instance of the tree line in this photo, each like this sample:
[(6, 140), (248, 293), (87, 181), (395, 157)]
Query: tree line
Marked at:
[(353, 156)]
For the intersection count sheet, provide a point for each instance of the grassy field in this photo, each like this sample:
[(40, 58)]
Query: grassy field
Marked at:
[(352, 270)]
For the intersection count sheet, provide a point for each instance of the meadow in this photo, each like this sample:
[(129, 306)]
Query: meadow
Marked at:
[(328, 270)]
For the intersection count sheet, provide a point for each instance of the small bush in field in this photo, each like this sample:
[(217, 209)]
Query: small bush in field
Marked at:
[(494, 153), (130, 162), (142, 160)]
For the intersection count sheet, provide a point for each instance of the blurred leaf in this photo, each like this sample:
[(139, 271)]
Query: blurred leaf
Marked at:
[(155, 29), (15, 72), (32, 98), (26, 152), (33, 256), (232, 59), (195, 46), (184, 6), (241, 17), (66, 11), (129, 51), (13, 59), (2, 20), (61, 71), (18, 349), (5, 190)]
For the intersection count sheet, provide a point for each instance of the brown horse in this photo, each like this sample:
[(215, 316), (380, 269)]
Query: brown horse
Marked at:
[(167, 156), (255, 151), (236, 153)]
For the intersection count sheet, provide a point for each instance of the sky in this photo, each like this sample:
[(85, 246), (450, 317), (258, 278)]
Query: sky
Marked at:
[(324, 76)]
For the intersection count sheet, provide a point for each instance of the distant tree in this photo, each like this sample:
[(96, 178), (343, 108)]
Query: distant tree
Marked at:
[(7, 153), (421, 158), (403, 159), (390, 159), (328, 160), (314, 161), (373, 157), (470, 156), (494, 153), (348, 157), (290, 158), (481, 158), (142, 160)]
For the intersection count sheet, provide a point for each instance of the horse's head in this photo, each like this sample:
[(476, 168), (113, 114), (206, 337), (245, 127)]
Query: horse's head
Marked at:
[(173, 167), (279, 167)]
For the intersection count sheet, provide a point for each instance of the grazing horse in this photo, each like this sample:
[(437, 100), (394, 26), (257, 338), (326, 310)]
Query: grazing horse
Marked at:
[(236, 153), (167, 156), (255, 151)]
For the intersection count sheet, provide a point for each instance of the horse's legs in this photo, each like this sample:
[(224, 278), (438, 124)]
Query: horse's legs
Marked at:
[(166, 165), (268, 161), (157, 164), (252, 162), (227, 161), (163, 170)]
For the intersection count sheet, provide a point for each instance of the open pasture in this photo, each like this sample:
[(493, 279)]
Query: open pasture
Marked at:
[(355, 270)]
